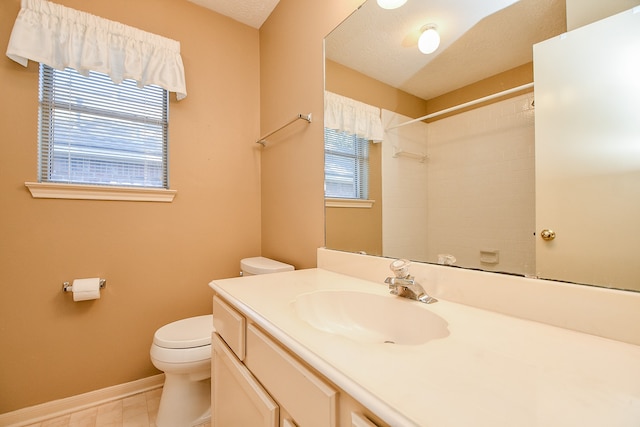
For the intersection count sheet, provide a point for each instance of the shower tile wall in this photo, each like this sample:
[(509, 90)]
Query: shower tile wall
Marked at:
[(482, 185), (404, 190), (475, 191)]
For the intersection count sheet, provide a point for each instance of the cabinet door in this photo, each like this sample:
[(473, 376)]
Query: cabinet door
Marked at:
[(237, 399)]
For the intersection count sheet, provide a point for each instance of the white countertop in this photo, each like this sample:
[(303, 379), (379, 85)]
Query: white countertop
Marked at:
[(491, 370)]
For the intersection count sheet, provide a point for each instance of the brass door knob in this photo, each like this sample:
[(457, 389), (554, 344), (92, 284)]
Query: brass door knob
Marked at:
[(547, 234)]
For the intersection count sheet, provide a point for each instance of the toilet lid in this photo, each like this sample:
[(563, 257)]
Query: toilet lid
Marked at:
[(185, 333), (262, 265)]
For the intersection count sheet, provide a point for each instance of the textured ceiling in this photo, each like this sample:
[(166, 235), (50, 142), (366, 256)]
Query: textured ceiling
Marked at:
[(250, 12), (478, 39)]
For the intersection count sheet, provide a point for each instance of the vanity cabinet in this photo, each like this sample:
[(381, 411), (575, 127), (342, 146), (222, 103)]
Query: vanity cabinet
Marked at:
[(256, 381), (238, 398)]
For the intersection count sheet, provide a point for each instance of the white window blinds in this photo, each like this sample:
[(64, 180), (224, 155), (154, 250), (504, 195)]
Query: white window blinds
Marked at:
[(346, 165), (95, 132), (62, 37)]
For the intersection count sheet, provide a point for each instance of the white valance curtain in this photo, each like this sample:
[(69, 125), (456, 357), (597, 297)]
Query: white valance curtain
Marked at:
[(348, 115), (62, 37)]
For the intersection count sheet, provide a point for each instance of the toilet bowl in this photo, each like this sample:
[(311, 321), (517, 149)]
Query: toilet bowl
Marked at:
[(182, 350)]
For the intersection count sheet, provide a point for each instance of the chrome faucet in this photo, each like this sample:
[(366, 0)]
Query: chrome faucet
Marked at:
[(404, 285)]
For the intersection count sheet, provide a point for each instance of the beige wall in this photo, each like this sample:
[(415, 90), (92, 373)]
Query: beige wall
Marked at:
[(348, 82), (509, 79), (583, 12), (156, 257), (291, 82)]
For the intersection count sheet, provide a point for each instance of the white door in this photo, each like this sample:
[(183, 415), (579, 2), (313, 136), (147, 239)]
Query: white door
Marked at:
[(587, 100)]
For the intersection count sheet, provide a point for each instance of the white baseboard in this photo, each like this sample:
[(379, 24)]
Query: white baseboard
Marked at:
[(56, 408)]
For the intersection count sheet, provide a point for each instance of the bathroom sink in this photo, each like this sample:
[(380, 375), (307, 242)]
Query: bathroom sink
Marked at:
[(370, 318)]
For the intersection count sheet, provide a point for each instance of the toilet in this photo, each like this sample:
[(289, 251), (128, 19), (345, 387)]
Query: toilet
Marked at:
[(182, 350)]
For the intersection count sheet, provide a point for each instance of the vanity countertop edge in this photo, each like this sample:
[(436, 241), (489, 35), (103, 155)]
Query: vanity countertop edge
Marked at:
[(492, 369)]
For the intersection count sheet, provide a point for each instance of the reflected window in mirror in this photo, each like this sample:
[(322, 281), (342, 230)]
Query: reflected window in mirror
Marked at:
[(346, 165), (349, 125)]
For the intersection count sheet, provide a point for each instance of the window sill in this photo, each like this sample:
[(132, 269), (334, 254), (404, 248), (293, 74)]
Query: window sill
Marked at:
[(348, 203), (49, 190)]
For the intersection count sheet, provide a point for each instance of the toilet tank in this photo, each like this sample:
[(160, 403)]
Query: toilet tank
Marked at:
[(262, 265)]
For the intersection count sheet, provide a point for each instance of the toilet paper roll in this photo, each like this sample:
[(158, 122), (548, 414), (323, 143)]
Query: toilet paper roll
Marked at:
[(86, 289)]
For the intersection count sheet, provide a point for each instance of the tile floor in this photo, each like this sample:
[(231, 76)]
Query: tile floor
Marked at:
[(139, 410)]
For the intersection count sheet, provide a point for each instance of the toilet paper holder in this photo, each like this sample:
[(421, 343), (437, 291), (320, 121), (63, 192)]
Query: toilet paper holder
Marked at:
[(68, 287)]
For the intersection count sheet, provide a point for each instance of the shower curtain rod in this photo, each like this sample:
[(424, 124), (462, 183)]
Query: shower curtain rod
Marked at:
[(263, 141), (465, 105)]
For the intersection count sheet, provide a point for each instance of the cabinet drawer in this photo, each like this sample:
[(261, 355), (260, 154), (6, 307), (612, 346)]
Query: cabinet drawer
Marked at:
[(237, 397), (309, 400), (230, 325)]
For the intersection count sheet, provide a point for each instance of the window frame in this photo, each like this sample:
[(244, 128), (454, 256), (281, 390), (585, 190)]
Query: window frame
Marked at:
[(359, 157), (140, 190)]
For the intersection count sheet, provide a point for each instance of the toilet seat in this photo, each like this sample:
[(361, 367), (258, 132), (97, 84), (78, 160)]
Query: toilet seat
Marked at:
[(190, 333)]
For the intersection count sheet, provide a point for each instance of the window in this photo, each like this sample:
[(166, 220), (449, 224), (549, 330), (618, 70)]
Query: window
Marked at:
[(95, 132), (346, 165)]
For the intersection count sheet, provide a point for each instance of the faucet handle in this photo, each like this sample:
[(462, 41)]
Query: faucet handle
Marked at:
[(400, 267)]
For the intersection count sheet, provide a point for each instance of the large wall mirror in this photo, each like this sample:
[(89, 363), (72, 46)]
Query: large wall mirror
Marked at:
[(493, 157)]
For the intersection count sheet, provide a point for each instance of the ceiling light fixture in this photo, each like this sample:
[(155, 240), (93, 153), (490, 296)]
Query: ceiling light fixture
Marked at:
[(391, 4), (429, 39)]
